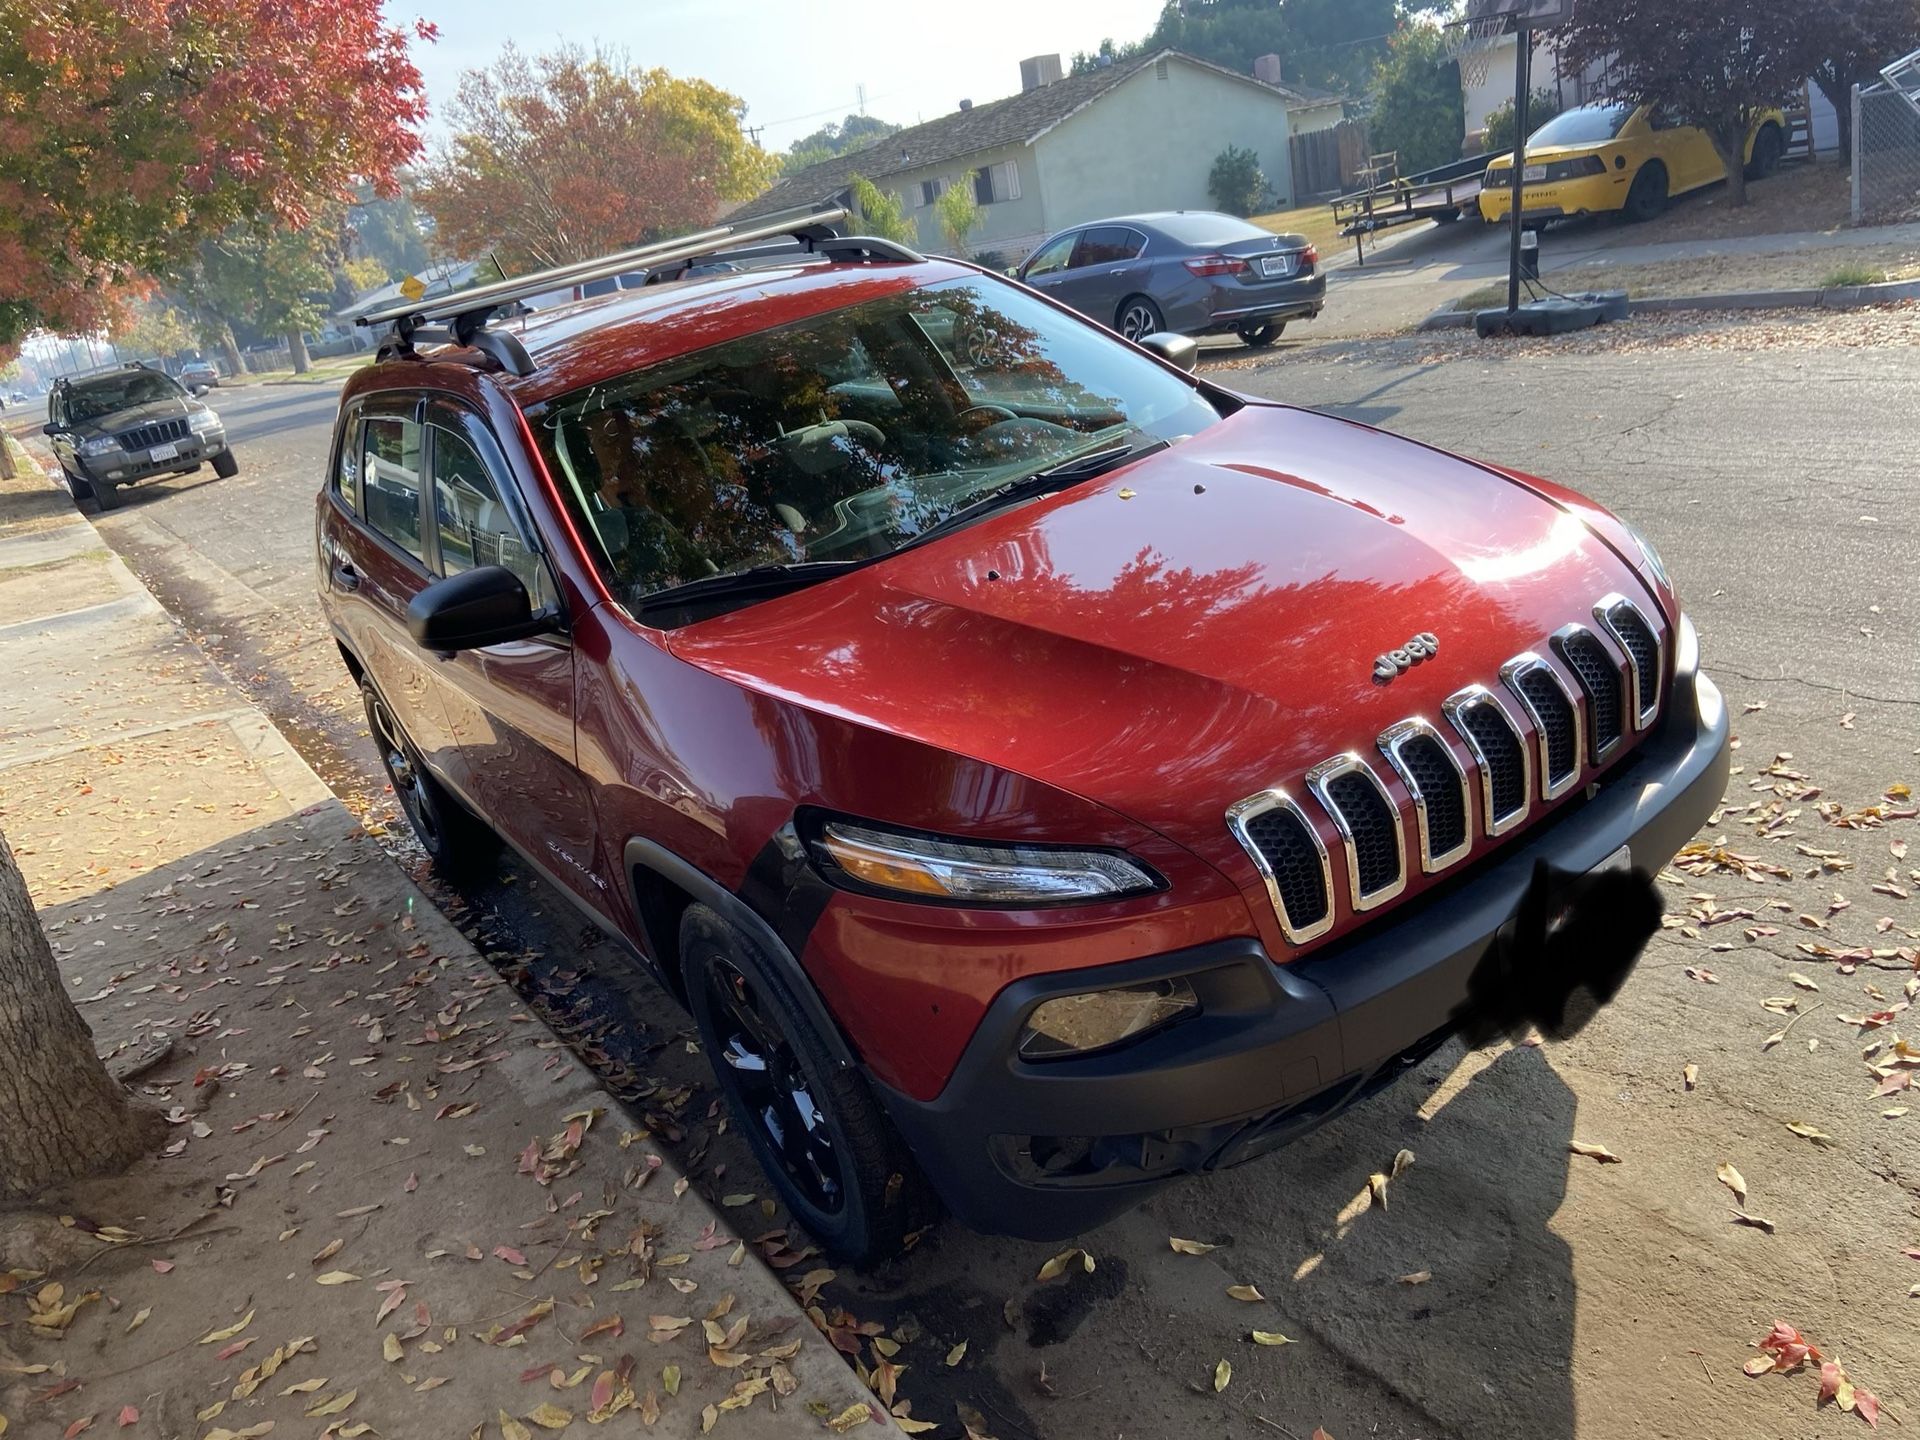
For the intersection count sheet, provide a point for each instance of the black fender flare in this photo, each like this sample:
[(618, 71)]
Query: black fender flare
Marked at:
[(642, 854)]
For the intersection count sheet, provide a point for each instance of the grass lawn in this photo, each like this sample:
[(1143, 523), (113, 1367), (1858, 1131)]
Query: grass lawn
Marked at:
[(1795, 270), (1313, 221), (333, 368)]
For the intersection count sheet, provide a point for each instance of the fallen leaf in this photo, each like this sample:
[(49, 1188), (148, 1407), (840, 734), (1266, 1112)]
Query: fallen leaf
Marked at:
[(128, 1416), (1593, 1152), (162, 1267), (1802, 981), (1245, 1292), (1401, 1161), (139, 1318), (957, 1354), (1270, 1337), (1189, 1247), (1222, 1373), (336, 1277), (229, 1331), (1377, 1188), (858, 1413), (392, 1349), (1758, 1222), (1734, 1181), (1758, 1365), (332, 1404), (512, 1429), (1417, 1277), (509, 1254), (1807, 1132), (549, 1416), (327, 1252), (1057, 1266), (77, 1427), (1690, 1075)]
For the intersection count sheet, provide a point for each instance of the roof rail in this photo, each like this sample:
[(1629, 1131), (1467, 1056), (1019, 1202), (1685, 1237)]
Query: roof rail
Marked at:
[(466, 312)]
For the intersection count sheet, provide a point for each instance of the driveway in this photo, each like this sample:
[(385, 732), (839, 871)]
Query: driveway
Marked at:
[(1562, 1296)]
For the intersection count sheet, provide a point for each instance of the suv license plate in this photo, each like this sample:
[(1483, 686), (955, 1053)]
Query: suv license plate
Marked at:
[(1273, 266), (164, 452), (1621, 859), (1534, 174)]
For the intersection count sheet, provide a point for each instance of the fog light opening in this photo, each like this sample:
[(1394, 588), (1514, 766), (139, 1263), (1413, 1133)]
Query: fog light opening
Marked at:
[(1073, 1025)]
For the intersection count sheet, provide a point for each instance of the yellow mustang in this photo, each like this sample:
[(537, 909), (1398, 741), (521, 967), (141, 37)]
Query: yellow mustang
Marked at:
[(1619, 157)]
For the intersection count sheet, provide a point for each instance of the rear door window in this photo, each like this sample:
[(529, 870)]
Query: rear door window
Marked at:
[(346, 479), (1108, 245), (390, 481)]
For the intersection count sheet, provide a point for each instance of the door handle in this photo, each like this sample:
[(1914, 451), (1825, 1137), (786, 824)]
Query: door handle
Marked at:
[(345, 576)]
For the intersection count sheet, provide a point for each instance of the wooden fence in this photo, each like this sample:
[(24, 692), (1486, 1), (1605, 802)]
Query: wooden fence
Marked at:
[(1328, 162)]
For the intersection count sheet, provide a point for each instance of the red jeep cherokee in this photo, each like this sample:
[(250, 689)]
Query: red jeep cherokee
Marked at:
[(1042, 772)]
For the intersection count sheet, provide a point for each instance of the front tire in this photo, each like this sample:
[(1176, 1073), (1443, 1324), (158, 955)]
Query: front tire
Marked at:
[(226, 465), (1138, 316), (1258, 337), (1768, 146), (460, 845), (813, 1123), (105, 495), (1647, 196)]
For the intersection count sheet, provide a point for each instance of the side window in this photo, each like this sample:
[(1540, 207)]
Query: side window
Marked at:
[(1052, 256), (346, 481), (390, 481), (475, 526), (1108, 245)]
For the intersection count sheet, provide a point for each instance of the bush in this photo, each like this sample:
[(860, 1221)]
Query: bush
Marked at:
[(880, 213), (1418, 112), (1544, 106), (1236, 184)]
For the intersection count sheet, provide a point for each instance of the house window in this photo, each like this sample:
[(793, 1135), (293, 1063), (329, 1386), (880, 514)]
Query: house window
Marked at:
[(994, 183), (931, 190)]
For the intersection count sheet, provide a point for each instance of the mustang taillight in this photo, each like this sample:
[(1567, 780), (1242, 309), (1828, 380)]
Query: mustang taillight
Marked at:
[(1205, 265)]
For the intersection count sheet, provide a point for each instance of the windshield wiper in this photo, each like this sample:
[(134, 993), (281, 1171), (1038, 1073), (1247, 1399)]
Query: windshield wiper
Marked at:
[(751, 581), (1055, 477)]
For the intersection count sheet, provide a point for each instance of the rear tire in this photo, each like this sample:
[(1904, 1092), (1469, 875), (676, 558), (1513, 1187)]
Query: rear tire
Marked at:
[(460, 844), (814, 1125), (1138, 316), (226, 465), (1647, 196), (1768, 146), (1258, 337)]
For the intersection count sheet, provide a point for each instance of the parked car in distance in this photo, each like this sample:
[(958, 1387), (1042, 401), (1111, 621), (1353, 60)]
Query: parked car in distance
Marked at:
[(1602, 158), (199, 375), (1191, 272), (568, 294), (114, 427), (1043, 773)]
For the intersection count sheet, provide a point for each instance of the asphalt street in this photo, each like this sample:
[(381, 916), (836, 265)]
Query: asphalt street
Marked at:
[(1561, 1296)]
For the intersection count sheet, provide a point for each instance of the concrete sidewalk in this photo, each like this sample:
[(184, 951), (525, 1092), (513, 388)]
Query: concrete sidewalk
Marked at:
[(392, 1198)]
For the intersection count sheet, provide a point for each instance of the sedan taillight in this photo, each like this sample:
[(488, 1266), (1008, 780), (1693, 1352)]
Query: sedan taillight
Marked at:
[(1309, 257), (1205, 265)]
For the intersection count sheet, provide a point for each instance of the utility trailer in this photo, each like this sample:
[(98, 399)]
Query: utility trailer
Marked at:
[(1441, 194)]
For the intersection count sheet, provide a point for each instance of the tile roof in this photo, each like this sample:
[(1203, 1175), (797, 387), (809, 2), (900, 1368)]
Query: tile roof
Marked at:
[(1018, 119)]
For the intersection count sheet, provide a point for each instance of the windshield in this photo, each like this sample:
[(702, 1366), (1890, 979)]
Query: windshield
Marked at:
[(842, 437), (1587, 125), (118, 392)]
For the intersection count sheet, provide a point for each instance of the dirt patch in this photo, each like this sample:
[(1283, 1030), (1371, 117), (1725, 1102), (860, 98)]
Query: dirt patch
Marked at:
[(1808, 195), (1795, 270)]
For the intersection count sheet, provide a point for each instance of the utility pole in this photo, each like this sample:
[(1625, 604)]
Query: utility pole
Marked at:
[(1522, 93)]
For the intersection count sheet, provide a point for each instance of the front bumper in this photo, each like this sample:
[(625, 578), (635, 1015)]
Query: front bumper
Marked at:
[(124, 467), (1051, 1150)]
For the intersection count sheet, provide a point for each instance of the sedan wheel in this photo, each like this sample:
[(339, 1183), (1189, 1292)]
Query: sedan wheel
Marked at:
[(1258, 337), (1139, 316)]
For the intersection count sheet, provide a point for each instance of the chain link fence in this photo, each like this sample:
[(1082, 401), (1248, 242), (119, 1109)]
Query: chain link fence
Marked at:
[(1886, 156)]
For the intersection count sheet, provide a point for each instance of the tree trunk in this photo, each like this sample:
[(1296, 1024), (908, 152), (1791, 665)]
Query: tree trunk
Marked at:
[(61, 1115), (1733, 159), (230, 349), (1840, 96), (297, 348)]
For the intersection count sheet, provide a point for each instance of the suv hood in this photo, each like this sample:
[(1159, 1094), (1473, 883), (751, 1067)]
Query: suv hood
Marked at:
[(1178, 634), (133, 416)]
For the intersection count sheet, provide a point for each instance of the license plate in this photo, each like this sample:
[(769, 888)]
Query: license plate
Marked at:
[(164, 452), (1621, 859), (1534, 174), (1276, 265)]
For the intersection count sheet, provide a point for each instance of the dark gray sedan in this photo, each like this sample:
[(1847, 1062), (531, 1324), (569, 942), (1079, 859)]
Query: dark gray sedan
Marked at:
[(1195, 272)]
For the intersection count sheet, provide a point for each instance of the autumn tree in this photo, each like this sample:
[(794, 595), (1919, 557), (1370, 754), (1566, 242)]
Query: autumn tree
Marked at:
[(61, 1115), (132, 128), (1850, 41), (574, 154), (1715, 64)]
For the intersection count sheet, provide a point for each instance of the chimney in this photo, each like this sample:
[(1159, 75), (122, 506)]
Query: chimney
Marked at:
[(1267, 68), (1039, 70), (966, 104)]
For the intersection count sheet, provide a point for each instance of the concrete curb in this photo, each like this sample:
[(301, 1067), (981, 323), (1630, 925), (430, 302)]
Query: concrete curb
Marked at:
[(1839, 297)]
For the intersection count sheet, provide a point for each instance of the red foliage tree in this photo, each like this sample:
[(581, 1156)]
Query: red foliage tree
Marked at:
[(1852, 39), (130, 129), (1717, 64)]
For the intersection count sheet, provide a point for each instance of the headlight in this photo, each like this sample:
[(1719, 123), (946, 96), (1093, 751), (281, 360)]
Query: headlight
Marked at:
[(99, 445), (1081, 1024), (203, 420), (1652, 557), (964, 872)]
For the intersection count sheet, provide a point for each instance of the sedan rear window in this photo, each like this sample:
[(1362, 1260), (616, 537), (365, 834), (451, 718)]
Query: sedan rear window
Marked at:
[(1207, 231), (843, 437), (1586, 125)]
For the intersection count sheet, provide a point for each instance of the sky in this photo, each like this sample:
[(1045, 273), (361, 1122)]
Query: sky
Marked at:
[(796, 64)]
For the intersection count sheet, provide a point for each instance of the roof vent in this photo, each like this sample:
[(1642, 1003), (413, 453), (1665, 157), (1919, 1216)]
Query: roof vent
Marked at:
[(966, 104), (1267, 68), (1039, 70)]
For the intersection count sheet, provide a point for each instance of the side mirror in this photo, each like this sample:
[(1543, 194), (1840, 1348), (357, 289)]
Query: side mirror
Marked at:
[(484, 606), (1181, 350), (49, 429), (1014, 271)]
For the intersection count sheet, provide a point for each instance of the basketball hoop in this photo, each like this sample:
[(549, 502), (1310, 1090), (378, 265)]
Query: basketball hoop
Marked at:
[(1471, 42)]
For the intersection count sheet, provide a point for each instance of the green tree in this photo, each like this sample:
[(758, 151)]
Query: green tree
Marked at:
[(386, 229), (1717, 64), (1236, 182), (959, 215), (154, 327), (880, 213), (1326, 44), (856, 132), (1418, 110), (1851, 40), (1543, 106)]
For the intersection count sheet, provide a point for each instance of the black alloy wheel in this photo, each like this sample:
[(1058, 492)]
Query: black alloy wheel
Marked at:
[(459, 844)]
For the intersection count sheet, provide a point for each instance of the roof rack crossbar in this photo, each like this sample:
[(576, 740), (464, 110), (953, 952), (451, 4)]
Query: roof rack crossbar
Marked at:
[(814, 230)]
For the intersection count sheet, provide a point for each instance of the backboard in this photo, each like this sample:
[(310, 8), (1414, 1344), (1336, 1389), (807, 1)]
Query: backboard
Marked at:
[(1519, 14)]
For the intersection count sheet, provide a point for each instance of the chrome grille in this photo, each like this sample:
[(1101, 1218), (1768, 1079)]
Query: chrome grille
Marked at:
[(1622, 619), (1438, 788), (1600, 680), (1368, 822), (1534, 723), (158, 433)]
